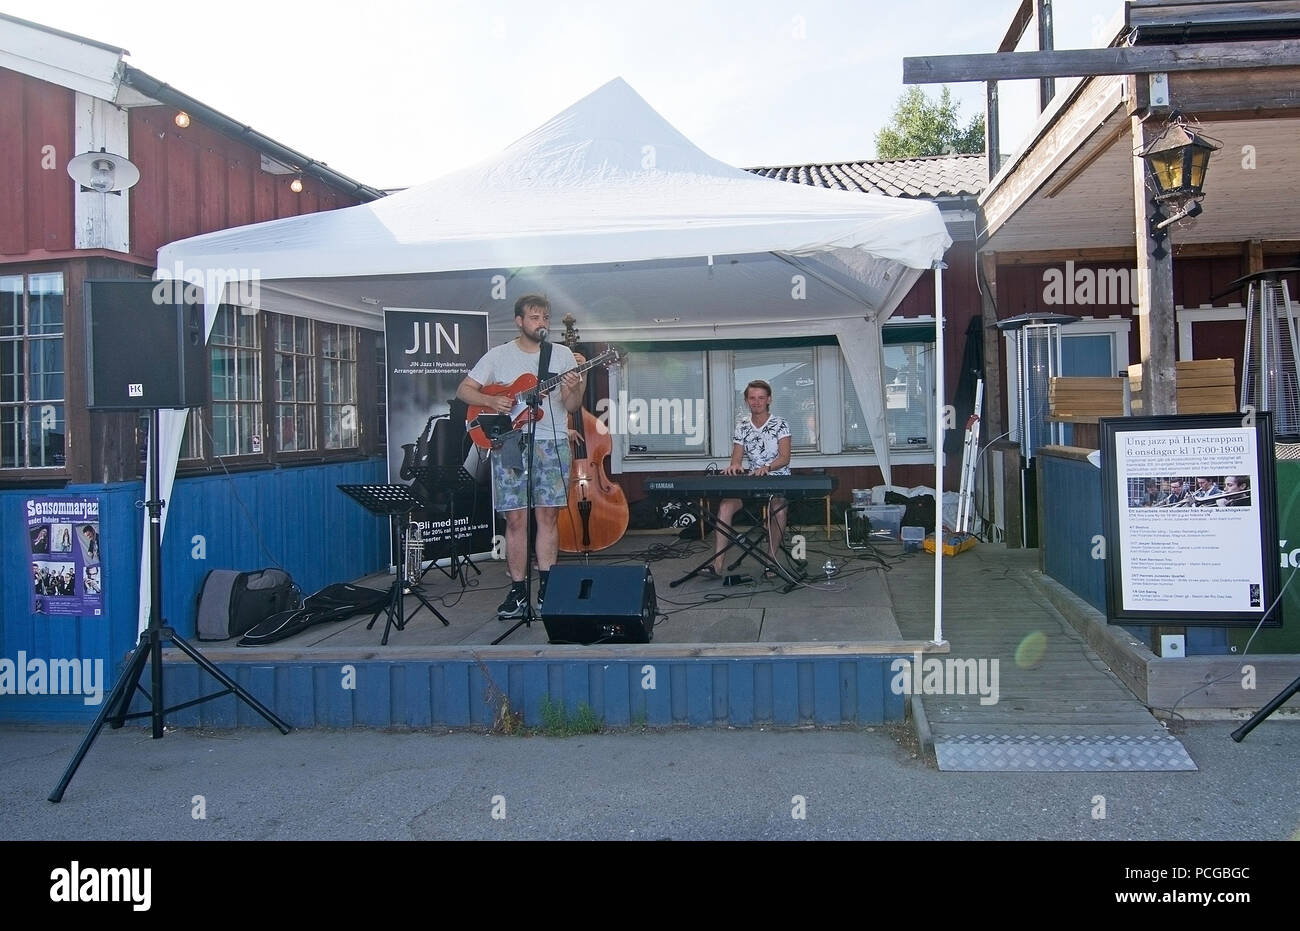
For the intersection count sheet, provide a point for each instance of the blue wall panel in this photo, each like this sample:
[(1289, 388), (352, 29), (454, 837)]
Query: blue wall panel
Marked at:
[(294, 516), (1071, 521), (456, 692)]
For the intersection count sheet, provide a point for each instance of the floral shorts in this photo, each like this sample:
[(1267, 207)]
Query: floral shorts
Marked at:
[(551, 490)]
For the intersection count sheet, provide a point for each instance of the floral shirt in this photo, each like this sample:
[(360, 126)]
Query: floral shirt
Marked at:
[(761, 444)]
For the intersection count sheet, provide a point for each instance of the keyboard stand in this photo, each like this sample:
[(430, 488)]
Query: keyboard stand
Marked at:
[(750, 546)]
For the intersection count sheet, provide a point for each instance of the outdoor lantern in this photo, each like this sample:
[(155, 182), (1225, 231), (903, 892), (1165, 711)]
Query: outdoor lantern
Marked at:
[(1176, 163), (103, 172)]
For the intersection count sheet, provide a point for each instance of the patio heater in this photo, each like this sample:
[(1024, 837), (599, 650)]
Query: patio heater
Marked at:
[(1270, 362), (1037, 340)]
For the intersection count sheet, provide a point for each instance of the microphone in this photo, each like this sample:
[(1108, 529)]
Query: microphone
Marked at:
[(542, 333)]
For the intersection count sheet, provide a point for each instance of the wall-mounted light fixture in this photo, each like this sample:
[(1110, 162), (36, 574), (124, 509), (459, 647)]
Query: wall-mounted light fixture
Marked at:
[(1176, 162), (103, 172), (296, 184)]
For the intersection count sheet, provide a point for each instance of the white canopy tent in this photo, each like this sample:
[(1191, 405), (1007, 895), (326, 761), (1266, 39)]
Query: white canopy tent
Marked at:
[(611, 212)]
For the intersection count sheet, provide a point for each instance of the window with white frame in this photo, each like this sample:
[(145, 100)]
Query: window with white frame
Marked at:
[(792, 374), (909, 399), (33, 422), (653, 409), (1088, 347)]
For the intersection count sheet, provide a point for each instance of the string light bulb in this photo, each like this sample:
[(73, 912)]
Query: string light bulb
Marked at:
[(181, 119), (296, 185)]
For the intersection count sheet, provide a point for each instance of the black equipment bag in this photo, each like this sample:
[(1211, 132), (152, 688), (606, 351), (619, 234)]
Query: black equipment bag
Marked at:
[(231, 603), (331, 603)]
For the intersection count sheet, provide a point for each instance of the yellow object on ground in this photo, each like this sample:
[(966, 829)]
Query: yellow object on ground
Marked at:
[(953, 543)]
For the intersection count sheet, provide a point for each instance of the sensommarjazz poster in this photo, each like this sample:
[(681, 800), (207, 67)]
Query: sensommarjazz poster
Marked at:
[(1191, 519), (66, 559)]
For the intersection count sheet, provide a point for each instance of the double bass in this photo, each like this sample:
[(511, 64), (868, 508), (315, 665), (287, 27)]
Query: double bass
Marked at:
[(596, 516)]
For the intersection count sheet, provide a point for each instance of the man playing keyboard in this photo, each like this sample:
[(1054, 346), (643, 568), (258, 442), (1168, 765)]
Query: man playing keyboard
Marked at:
[(765, 441)]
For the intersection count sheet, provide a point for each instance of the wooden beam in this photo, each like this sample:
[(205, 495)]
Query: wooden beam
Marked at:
[(1254, 257), (1057, 256), (1210, 13), (1236, 89), (1019, 23), (1063, 63)]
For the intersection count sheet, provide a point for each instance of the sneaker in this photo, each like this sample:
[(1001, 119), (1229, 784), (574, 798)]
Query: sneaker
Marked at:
[(513, 606)]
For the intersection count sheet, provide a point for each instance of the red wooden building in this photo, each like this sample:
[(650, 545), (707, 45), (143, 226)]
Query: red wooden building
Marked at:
[(62, 95)]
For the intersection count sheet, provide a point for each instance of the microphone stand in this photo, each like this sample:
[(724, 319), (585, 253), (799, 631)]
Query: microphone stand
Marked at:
[(534, 401)]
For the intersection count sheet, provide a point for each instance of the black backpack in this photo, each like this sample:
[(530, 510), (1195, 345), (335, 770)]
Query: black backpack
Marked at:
[(231, 603)]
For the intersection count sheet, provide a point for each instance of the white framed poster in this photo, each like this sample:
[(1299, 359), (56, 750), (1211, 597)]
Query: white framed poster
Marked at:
[(1190, 520)]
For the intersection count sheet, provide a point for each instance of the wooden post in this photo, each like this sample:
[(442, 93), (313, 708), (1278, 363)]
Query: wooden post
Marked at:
[(1156, 335), (992, 417), (992, 144), (1046, 86)]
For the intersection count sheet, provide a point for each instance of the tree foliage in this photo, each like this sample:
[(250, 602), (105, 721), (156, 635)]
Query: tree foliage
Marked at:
[(921, 126)]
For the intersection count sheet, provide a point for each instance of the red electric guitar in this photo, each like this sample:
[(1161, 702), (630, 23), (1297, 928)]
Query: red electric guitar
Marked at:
[(520, 413)]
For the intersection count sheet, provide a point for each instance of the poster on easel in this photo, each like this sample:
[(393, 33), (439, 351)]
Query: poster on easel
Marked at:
[(1190, 520), (427, 354), (64, 545)]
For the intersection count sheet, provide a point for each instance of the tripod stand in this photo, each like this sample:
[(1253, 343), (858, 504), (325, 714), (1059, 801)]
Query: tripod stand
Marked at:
[(397, 502), (149, 648), (1276, 702), (455, 481)]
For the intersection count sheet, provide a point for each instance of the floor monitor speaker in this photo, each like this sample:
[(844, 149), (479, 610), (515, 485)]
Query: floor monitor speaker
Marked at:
[(600, 604)]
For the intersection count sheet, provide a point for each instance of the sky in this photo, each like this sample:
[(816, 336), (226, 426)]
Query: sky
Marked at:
[(394, 94)]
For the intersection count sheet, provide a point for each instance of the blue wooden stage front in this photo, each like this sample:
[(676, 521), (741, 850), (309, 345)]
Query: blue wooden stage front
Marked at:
[(297, 517)]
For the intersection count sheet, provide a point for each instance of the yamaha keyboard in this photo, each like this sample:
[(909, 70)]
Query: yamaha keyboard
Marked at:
[(743, 486)]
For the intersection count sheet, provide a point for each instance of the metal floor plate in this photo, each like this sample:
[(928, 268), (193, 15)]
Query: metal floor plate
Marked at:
[(1063, 754)]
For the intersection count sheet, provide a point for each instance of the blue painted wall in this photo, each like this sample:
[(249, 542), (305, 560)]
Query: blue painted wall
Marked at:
[(691, 691), (1071, 519), (292, 516)]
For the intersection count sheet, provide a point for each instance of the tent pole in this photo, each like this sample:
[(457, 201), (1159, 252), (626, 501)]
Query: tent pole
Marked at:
[(940, 393)]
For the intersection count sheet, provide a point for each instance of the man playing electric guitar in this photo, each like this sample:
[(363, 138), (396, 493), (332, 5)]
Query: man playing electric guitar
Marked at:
[(503, 365)]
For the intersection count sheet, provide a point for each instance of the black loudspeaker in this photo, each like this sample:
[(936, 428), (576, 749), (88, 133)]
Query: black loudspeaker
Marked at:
[(599, 604), (144, 345)]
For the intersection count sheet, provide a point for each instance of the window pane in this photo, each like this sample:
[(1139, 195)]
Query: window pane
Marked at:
[(792, 375), (46, 382), (340, 426), (45, 427), (45, 304), (11, 437), (236, 384), (909, 388), (11, 371), (11, 305), (1087, 355), (665, 404)]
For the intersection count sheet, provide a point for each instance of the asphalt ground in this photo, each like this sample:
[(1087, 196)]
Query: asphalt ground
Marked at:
[(761, 784)]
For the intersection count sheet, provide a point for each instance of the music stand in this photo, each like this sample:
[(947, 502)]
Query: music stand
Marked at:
[(453, 480), (397, 502)]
